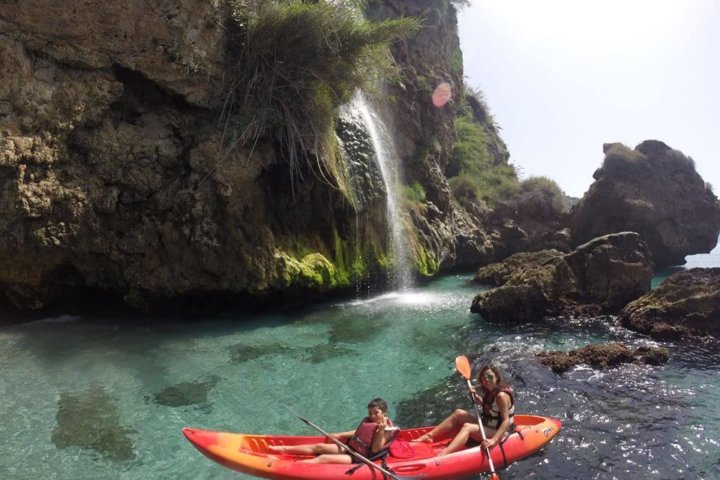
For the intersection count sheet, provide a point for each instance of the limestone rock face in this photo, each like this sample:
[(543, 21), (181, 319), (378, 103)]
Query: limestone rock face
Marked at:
[(607, 273), (655, 191), (177, 45), (686, 304), (455, 237), (117, 180), (530, 221), (603, 356), (115, 175)]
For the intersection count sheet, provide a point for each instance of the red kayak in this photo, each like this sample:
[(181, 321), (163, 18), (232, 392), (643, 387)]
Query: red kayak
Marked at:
[(249, 454)]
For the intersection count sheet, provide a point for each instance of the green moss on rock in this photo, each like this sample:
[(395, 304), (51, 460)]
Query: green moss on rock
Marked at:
[(311, 271)]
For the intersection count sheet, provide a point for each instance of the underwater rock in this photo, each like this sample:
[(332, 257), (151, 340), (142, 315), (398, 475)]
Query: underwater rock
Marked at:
[(186, 393), (90, 419), (602, 356), (686, 304)]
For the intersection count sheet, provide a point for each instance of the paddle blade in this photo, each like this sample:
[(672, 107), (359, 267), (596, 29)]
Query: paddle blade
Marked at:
[(462, 364), (494, 476)]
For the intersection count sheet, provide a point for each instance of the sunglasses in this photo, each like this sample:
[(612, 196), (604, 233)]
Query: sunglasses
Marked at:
[(489, 376)]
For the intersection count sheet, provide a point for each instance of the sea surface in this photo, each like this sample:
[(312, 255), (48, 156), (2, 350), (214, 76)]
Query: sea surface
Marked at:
[(105, 397)]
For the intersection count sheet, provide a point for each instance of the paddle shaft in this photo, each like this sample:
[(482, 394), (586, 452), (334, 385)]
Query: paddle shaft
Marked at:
[(350, 451), (482, 429)]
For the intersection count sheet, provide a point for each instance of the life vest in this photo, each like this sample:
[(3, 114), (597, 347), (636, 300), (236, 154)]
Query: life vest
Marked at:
[(491, 413), (362, 439)]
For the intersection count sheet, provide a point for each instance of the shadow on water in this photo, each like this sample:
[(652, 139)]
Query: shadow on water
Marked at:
[(89, 419)]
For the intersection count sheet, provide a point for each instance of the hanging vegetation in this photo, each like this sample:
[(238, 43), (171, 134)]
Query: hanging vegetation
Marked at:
[(295, 62)]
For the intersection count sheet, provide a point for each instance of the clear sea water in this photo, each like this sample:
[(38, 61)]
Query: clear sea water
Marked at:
[(105, 397)]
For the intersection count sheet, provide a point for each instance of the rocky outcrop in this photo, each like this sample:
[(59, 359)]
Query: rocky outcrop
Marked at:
[(529, 221), (603, 356), (685, 305), (655, 191), (607, 273), (115, 175), (176, 45), (448, 236)]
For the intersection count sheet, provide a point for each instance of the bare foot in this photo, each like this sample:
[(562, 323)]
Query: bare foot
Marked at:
[(423, 439)]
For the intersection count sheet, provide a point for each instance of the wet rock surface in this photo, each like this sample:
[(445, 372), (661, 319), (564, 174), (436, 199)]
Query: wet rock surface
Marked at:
[(601, 276), (685, 305), (602, 356)]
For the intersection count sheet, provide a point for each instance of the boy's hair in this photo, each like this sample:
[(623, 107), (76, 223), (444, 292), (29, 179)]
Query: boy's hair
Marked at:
[(379, 403)]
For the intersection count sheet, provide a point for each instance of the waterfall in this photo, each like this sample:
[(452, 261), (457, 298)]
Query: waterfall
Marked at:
[(387, 159)]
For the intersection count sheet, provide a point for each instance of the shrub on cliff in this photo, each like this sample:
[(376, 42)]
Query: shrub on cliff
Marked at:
[(473, 171), (295, 63), (547, 192)]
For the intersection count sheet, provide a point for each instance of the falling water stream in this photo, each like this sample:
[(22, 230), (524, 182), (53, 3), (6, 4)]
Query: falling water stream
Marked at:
[(387, 159)]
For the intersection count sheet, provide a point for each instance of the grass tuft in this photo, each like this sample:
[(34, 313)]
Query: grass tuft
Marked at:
[(295, 63)]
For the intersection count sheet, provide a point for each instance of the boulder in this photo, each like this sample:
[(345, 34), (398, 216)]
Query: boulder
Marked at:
[(653, 190), (531, 221), (613, 269), (604, 274), (602, 356), (686, 304)]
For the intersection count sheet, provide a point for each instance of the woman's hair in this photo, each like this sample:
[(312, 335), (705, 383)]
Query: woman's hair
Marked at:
[(379, 403), (496, 372)]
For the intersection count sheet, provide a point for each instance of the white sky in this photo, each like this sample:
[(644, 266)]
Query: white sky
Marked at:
[(562, 77)]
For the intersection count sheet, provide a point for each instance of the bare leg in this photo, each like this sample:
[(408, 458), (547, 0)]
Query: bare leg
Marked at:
[(458, 418), (468, 430), (315, 449), (330, 458)]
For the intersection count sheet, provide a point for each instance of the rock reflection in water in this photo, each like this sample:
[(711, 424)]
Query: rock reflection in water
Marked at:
[(90, 419)]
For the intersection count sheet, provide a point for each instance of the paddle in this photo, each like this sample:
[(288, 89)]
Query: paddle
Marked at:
[(462, 364), (349, 450)]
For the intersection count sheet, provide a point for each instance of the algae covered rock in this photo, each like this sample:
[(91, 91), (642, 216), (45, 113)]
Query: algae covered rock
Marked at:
[(607, 273), (602, 356), (686, 304)]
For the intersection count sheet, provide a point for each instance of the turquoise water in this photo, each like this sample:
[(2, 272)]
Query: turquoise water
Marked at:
[(106, 397)]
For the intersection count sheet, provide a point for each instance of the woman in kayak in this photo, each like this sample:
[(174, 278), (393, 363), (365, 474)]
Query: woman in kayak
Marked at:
[(498, 409), (370, 437)]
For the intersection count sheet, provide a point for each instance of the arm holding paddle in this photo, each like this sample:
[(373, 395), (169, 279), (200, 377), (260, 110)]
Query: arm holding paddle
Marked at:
[(370, 437)]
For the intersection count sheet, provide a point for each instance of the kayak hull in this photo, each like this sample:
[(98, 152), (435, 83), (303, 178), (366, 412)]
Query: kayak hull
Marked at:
[(248, 454)]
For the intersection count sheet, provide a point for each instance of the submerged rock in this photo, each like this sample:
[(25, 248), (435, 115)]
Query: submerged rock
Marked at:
[(686, 304), (603, 356), (603, 274), (186, 393), (90, 419), (655, 191)]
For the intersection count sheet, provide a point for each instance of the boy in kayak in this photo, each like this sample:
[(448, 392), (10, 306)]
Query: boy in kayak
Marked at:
[(498, 409), (370, 437)]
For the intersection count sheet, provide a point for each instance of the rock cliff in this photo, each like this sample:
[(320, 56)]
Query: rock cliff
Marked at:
[(115, 174)]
